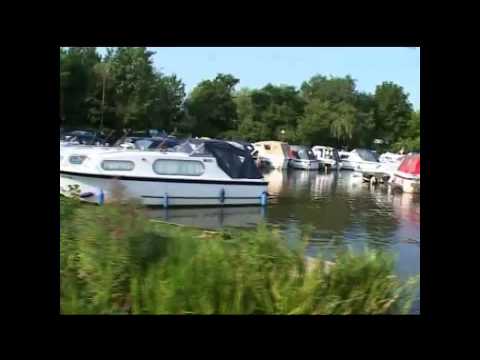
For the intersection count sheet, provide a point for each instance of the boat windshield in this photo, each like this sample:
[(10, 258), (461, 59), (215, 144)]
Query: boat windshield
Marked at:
[(366, 155)]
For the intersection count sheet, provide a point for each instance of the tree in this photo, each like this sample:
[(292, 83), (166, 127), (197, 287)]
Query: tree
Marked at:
[(249, 127), (333, 89), (410, 140), (365, 130), (167, 111), (265, 113), (314, 126), (63, 80), (77, 82), (210, 107), (134, 81), (102, 71), (343, 122), (392, 111)]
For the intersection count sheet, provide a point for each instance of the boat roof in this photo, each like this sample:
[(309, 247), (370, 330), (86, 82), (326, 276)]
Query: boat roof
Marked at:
[(299, 147), (410, 164), (270, 142)]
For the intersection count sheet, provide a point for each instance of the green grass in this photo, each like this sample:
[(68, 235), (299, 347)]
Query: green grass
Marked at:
[(114, 261)]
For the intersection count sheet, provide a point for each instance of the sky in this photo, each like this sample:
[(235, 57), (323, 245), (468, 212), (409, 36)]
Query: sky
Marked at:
[(258, 66)]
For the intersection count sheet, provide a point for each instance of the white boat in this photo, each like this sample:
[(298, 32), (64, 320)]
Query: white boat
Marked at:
[(275, 153), (389, 157), (360, 160), (407, 177), (327, 156), (301, 157), (216, 173)]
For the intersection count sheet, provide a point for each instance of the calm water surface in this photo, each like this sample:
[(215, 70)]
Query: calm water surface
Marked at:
[(337, 209)]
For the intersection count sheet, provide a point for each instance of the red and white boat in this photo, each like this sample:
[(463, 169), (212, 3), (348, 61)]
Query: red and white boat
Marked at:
[(407, 177)]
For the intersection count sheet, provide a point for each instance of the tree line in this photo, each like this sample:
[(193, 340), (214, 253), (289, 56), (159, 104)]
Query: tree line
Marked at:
[(123, 89)]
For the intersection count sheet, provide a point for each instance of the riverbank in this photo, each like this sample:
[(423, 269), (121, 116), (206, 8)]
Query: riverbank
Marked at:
[(114, 261)]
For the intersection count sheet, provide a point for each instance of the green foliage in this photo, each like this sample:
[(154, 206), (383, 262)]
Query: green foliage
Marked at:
[(211, 108), (114, 261), (410, 141), (264, 113), (392, 111), (123, 90), (333, 89)]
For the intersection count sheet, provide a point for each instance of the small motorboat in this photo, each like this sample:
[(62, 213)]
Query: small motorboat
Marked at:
[(361, 160), (275, 153), (327, 156), (390, 163), (407, 177), (301, 157), (200, 172)]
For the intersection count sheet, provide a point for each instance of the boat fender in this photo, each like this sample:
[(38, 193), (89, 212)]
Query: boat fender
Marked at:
[(222, 196), (264, 198), (101, 197), (165, 199)]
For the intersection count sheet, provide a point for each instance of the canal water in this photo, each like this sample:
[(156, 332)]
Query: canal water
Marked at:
[(338, 210)]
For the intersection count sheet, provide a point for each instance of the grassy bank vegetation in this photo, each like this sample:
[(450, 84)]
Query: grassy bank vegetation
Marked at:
[(114, 261)]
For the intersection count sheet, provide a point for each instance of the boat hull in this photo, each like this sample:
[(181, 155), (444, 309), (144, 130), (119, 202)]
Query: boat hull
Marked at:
[(163, 191), (304, 164), (362, 166), (276, 162), (406, 182)]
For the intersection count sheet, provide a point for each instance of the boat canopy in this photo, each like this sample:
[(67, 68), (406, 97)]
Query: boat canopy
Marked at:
[(301, 152), (276, 148), (235, 162), (366, 155), (410, 164)]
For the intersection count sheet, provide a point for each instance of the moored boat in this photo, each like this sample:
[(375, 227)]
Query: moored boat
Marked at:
[(361, 160), (327, 156), (301, 157), (214, 173), (275, 153), (407, 177)]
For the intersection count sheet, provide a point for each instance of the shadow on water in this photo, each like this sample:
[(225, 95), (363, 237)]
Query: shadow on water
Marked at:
[(337, 209)]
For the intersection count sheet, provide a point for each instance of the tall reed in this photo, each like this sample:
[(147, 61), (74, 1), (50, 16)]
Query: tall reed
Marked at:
[(114, 261)]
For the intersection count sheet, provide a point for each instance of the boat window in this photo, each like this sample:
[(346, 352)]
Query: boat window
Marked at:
[(143, 144), (77, 159), (366, 155), (267, 147), (118, 165), (178, 167)]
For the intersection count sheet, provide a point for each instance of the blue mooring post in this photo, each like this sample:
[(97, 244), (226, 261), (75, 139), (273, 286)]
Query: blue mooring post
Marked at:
[(101, 198), (264, 199), (222, 196), (165, 203)]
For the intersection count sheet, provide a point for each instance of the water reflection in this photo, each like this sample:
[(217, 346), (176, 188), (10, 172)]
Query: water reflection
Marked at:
[(211, 217), (338, 206)]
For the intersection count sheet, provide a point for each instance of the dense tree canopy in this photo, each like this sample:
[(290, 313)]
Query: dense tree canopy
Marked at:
[(211, 108), (123, 89), (392, 111)]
